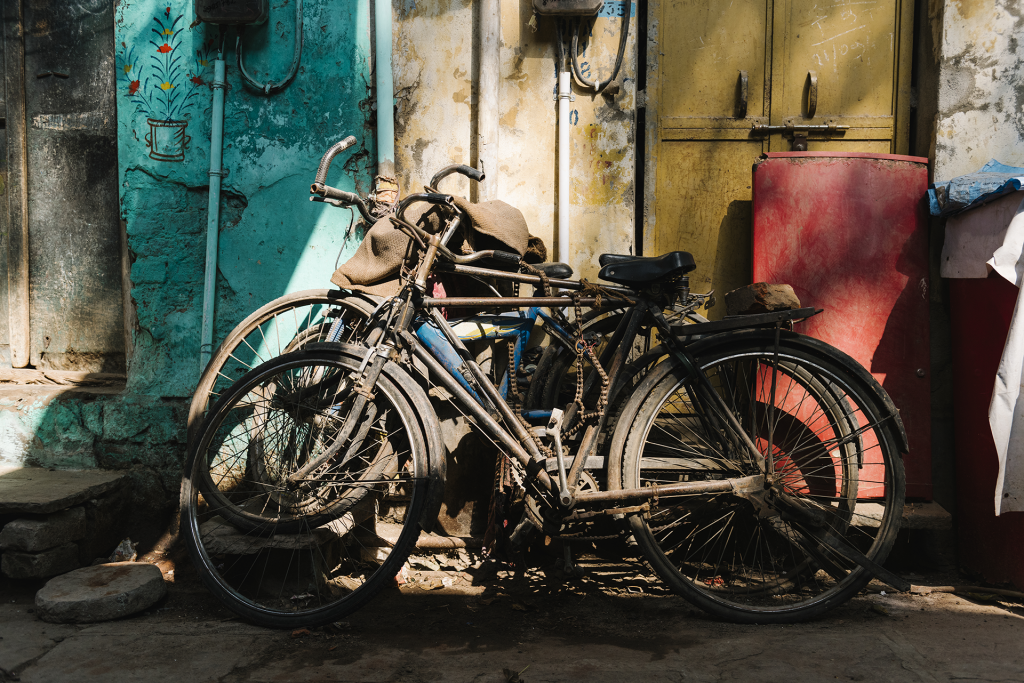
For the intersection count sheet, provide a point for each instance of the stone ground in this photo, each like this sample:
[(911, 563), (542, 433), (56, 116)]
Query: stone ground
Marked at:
[(483, 625)]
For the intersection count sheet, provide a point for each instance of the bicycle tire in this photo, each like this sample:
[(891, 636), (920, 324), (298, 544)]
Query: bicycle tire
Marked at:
[(289, 557), (833, 452), (282, 325)]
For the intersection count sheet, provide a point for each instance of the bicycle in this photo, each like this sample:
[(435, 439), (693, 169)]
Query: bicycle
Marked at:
[(758, 470), (291, 321)]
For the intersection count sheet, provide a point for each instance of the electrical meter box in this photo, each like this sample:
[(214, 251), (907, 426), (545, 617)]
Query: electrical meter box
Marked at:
[(232, 12), (568, 8)]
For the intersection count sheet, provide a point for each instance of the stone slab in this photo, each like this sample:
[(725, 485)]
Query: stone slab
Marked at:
[(33, 535), (34, 490), (100, 593), (24, 638), (50, 562)]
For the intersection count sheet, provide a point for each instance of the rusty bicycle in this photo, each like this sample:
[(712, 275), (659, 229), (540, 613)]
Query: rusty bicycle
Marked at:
[(757, 469)]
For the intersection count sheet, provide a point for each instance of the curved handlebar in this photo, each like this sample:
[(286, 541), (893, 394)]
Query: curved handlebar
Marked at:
[(325, 163), (468, 171), (333, 195)]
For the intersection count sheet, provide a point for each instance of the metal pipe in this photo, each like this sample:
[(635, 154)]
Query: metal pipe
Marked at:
[(488, 110), (657, 491), (532, 279), (213, 212), (385, 83), (564, 191), (509, 302)]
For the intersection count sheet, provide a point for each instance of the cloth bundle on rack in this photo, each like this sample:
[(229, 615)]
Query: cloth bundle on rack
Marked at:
[(374, 268)]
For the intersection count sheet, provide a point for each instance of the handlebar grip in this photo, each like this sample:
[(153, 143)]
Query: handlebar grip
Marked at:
[(334, 193), (507, 257), (335, 150), (462, 169)]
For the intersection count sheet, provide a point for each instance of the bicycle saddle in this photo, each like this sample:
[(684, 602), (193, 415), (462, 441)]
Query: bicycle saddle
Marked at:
[(559, 271), (633, 271)]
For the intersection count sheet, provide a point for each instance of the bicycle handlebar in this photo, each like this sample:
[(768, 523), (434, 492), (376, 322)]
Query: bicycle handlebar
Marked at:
[(325, 163), (336, 197), (468, 171)]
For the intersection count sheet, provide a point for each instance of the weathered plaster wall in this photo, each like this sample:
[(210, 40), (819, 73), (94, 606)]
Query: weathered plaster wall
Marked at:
[(435, 72), (981, 96), (272, 239)]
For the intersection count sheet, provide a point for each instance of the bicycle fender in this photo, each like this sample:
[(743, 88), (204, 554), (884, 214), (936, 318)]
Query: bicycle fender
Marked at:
[(413, 392), (817, 347)]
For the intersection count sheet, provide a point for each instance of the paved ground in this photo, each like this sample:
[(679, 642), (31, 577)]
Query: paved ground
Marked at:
[(612, 625)]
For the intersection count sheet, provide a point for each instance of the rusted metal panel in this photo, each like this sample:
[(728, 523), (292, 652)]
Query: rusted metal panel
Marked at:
[(74, 234), (850, 234)]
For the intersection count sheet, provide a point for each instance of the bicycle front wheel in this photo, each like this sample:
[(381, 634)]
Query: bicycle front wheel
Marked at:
[(285, 324), (286, 553), (828, 461)]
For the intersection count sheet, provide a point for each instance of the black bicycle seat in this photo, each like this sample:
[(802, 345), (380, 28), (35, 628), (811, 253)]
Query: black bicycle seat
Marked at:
[(559, 271), (609, 259), (636, 271)]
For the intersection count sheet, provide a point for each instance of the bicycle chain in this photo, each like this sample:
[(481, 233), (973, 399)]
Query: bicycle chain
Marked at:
[(581, 349)]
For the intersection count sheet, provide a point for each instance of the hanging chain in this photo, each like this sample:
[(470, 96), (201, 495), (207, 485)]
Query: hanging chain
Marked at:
[(582, 348)]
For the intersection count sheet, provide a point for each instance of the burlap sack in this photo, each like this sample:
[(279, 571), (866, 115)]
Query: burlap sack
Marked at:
[(375, 265)]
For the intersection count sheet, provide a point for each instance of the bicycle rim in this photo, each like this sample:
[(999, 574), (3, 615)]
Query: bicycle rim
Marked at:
[(281, 326), (283, 554), (822, 441)]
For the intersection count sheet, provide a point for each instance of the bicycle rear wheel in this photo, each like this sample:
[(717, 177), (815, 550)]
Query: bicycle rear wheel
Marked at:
[(285, 324), (286, 554), (834, 480)]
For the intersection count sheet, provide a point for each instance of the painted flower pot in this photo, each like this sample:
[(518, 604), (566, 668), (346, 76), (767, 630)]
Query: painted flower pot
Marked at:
[(167, 140)]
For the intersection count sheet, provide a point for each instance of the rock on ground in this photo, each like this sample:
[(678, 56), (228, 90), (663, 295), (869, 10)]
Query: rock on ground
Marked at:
[(761, 297), (100, 593)]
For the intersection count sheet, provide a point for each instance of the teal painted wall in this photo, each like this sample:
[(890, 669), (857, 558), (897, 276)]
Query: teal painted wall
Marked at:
[(273, 240)]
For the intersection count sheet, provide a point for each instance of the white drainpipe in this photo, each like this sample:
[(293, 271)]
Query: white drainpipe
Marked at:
[(213, 216), (564, 192)]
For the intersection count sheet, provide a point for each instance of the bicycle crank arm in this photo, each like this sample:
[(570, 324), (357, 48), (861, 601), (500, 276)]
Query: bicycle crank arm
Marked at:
[(740, 486)]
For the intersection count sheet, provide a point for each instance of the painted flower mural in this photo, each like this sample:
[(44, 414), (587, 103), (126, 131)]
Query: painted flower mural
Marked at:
[(163, 82)]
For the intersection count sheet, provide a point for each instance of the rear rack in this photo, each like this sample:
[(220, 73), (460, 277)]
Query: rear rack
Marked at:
[(743, 322)]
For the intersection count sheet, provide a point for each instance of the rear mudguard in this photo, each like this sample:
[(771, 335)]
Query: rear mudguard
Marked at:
[(858, 375), (413, 392)]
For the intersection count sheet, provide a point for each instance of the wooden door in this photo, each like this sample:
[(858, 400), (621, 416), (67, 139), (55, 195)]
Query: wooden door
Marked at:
[(63, 266), (718, 70)]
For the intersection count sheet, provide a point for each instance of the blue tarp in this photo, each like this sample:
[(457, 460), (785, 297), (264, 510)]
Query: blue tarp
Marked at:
[(974, 189)]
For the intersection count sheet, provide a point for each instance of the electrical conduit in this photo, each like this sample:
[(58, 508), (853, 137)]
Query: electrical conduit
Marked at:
[(385, 89), (564, 193), (213, 218), (488, 110)]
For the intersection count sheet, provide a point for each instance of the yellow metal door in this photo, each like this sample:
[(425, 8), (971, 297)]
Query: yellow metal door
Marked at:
[(713, 59), (840, 64), (721, 69)]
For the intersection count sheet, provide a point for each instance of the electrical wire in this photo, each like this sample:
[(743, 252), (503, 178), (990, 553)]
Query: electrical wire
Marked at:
[(598, 86), (269, 88)]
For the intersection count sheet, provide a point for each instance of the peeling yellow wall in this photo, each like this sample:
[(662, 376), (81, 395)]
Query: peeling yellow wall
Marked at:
[(435, 69)]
